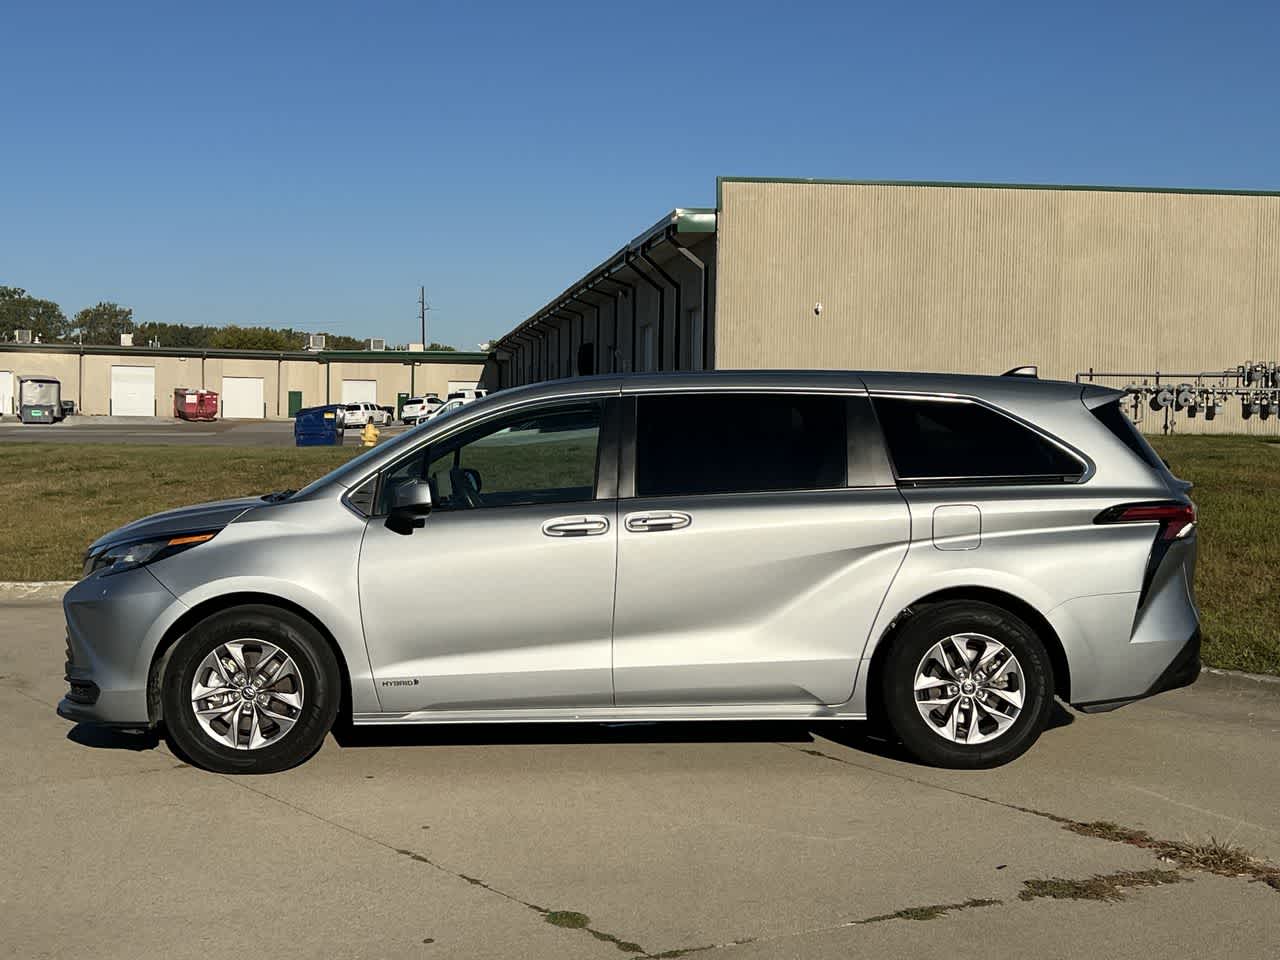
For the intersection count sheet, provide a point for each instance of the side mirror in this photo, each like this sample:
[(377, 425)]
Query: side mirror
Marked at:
[(410, 505)]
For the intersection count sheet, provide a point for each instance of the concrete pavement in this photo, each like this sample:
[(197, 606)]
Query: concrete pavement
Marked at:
[(749, 840)]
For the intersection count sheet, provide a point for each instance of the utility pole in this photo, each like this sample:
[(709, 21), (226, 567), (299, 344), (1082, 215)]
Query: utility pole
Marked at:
[(423, 307)]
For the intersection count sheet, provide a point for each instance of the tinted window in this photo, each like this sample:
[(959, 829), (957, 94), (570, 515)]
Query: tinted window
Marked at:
[(541, 456), (736, 443), (1113, 419), (954, 440)]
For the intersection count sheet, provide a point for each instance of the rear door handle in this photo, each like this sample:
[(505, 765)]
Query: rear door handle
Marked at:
[(657, 520), (578, 526)]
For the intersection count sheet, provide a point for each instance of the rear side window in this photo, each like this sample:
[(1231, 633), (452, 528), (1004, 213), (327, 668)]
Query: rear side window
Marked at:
[(739, 443), (1122, 427), (949, 441)]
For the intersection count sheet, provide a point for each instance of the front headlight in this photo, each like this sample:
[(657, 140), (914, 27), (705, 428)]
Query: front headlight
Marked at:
[(119, 557)]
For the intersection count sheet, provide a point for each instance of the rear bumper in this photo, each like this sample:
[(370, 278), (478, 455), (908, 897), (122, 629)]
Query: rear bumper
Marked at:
[(1182, 671)]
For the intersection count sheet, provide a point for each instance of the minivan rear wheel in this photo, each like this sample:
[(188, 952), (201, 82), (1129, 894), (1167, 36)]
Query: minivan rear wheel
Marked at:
[(251, 689), (967, 685)]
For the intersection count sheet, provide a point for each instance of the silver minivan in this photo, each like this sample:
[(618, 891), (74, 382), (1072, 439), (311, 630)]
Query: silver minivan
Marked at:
[(942, 554)]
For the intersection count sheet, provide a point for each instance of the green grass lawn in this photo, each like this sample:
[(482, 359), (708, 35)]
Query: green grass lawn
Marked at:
[(1237, 494), (59, 498)]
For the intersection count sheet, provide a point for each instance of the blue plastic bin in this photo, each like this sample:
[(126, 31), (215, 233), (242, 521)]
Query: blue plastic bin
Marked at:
[(318, 426)]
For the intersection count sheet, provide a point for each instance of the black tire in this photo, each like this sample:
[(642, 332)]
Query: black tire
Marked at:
[(316, 665), (918, 636)]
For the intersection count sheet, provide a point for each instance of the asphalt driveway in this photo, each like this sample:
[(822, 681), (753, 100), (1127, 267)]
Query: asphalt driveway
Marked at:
[(747, 841)]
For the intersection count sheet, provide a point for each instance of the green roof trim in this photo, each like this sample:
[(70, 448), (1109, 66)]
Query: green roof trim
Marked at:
[(694, 220), (980, 184), (321, 356)]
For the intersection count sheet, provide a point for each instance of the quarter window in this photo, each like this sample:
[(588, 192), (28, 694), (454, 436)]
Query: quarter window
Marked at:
[(739, 443), (540, 456), (958, 440)]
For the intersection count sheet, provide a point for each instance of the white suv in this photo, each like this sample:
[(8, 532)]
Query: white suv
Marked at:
[(358, 414), (417, 409)]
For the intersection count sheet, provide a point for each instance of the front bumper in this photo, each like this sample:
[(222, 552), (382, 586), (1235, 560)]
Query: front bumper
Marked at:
[(114, 624), (1182, 671)]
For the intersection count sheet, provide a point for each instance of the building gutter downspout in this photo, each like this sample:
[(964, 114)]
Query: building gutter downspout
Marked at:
[(633, 260), (631, 292), (702, 279), (675, 327), (595, 363)]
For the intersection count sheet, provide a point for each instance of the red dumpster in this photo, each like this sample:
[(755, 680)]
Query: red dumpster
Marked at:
[(192, 404), (184, 403), (207, 404)]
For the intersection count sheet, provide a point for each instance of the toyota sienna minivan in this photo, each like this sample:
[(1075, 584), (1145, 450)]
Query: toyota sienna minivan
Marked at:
[(942, 554)]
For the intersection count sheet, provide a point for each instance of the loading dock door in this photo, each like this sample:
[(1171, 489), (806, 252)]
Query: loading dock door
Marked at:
[(242, 398), (133, 391), (359, 391), (6, 393)]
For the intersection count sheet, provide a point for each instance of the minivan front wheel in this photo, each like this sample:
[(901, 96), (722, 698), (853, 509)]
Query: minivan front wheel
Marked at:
[(251, 689), (967, 685)]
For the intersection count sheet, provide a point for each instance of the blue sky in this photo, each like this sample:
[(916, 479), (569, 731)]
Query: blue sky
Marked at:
[(311, 164)]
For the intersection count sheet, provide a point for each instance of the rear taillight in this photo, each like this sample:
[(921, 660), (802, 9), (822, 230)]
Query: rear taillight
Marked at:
[(1176, 519)]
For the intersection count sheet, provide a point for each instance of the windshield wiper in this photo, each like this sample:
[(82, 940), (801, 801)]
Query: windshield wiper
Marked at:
[(278, 496)]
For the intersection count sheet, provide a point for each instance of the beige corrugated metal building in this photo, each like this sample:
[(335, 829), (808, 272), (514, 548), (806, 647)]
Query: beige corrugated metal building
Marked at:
[(972, 278), (140, 381)]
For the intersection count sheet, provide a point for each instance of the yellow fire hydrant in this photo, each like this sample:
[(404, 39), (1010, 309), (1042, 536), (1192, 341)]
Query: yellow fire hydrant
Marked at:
[(369, 435)]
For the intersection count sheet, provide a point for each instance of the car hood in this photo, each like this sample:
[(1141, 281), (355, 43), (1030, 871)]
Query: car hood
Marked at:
[(201, 516)]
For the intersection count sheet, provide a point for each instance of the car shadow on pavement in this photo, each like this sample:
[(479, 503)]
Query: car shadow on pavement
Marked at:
[(477, 734), (871, 738), (109, 738)]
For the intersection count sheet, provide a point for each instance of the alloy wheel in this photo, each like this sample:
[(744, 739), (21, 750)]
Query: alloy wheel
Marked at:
[(247, 694), (969, 688)]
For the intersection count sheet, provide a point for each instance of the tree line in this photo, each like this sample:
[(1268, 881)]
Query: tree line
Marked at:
[(103, 323)]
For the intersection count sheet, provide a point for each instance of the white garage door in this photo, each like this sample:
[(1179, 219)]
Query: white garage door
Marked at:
[(6, 392), (241, 398), (133, 391), (359, 391)]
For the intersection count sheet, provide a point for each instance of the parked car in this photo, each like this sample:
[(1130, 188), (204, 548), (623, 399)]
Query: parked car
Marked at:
[(942, 554), (449, 406), (358, 414), (417, 409)]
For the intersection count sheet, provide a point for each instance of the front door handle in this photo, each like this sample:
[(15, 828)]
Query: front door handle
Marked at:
[(578, 526), (657, 520)]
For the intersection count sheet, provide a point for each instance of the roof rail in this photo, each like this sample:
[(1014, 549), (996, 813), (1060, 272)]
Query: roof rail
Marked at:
[(1028, 370)]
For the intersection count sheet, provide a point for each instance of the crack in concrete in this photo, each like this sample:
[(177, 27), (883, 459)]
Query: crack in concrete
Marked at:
[(1103, 887), (551, 916), (1213, 857), (931, 912)]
